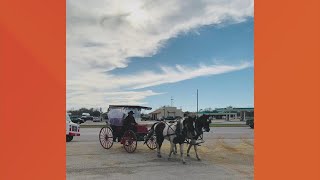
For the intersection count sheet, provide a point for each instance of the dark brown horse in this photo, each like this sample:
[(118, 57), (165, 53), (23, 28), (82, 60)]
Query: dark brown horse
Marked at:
[(202, 124)]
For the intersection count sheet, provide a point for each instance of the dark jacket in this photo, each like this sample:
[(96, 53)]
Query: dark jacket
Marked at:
[(127, 122)]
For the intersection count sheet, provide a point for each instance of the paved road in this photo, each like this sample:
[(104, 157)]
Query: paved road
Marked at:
[(226, 154)]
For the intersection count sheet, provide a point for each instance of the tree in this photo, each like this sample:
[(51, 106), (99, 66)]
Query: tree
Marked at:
[(95, 113), (208, 109), (91, 111)]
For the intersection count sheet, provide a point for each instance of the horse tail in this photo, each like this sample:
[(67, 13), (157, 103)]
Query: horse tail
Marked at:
[(159, 129), (159, 133)]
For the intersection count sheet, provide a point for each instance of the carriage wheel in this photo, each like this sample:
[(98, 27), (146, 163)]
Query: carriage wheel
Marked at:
[(151, 143), (106, 137), (129, 141)]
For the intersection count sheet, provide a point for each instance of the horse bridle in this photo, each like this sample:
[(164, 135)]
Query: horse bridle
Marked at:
[(200, 131)]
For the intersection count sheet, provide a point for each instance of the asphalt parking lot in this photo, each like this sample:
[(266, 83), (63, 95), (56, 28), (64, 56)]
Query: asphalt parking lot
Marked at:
[(226, 154)]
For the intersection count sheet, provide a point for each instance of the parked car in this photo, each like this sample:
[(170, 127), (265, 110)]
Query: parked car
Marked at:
[(250, 122), (97, 119), (72, 129), (76, 119), (145, 117), (169, 118), (86, 117)]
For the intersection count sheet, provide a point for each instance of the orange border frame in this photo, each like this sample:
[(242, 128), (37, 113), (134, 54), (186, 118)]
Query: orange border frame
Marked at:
[(33, 89), (287, 89), (32, 93)]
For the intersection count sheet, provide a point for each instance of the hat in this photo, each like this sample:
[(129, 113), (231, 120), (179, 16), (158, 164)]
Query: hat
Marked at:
[(131, 112)]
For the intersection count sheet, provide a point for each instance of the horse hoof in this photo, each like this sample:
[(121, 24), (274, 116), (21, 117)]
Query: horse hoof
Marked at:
[(183, 162), (159, 156), (199, 159), (188, 155)]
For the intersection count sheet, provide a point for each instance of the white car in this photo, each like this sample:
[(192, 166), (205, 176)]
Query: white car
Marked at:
[(72, 129), (97, 119)]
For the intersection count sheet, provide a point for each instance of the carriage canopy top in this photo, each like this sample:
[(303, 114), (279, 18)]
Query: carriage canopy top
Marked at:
[(117, 113), (130, 106)]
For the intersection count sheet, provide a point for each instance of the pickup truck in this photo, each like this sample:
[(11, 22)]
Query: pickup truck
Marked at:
[(72, 129)]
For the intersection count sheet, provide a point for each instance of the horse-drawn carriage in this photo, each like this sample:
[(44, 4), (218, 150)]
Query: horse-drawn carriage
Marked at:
[(115, 130)]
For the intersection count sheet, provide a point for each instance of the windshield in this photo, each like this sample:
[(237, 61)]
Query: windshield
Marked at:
[(68, 118), (116, 115)]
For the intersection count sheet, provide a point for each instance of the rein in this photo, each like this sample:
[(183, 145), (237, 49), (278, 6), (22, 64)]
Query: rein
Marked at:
[(175, 131), (169, 126)]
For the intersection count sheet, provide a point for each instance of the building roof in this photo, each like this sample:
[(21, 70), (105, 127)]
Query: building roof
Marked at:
[(224, 111), (169, 109), (215, 113), (234, 109)]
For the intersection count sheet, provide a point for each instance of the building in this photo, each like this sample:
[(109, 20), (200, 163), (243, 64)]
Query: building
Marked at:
[(165, 113), (230, 113)]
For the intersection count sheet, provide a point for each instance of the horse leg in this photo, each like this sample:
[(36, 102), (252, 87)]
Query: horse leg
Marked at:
[(189, 148), (175, 149), (181, 153), (171, 149), (196, 150), (159, 144)]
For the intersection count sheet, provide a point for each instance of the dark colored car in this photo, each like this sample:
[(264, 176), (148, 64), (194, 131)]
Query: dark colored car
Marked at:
[(250, 122), (76, 119), (170, 118), (86, 118)]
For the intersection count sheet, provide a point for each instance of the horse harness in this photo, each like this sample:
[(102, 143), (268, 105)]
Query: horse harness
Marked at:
[(199, 137), (178, 130)]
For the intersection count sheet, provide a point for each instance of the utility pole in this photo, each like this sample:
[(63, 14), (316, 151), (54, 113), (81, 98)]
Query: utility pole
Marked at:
[(197, 104), (164, 111), (171, 101)]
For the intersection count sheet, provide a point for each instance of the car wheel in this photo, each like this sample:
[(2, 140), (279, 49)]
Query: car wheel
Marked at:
[(69, 138), (252, 126)]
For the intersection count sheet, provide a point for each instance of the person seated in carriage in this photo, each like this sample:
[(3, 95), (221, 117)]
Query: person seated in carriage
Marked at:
[(129, 123)]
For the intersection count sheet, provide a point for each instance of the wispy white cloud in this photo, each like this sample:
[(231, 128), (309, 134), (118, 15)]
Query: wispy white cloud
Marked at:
[(101, 99), (103, 34), (175, 74), (96, 89)]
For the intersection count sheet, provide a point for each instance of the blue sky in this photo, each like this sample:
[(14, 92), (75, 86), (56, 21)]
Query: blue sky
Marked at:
[(144, 52), (229, 44)]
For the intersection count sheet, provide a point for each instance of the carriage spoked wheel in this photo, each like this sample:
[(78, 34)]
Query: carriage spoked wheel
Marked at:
[(151, 143), (129, 140), (106, 137)]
